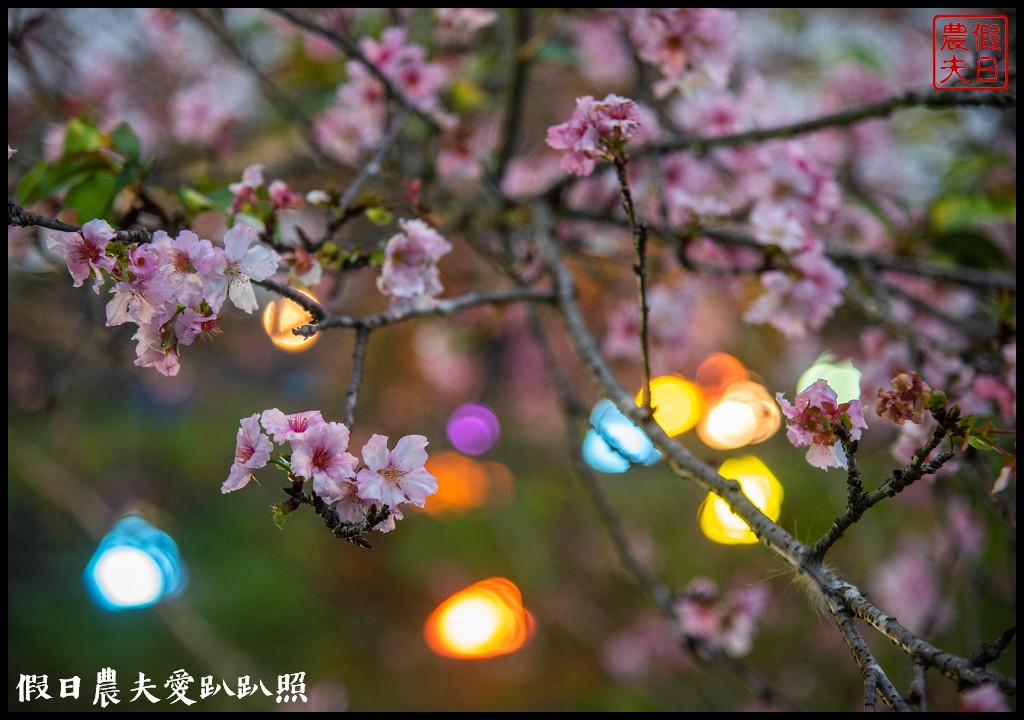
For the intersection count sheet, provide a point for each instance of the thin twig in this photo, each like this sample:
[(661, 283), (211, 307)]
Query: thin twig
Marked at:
[(514, 107), (373, 165), (214, 22), (638, 231), (352, 50), (307, 303), (356, 375)]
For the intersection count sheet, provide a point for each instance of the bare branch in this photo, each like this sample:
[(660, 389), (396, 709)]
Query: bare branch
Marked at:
[(931, 99), (356, 376), (402, 313)]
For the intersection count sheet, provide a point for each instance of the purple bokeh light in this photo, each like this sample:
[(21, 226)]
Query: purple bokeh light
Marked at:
[(473, 429)]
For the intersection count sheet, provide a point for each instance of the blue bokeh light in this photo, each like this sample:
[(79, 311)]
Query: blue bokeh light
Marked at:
[(614, 443), (136, 565)]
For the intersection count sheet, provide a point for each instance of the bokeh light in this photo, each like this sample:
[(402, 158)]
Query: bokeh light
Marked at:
[(717, 372), (745, 414), (473, 429), (614, 443), (464, 483), (719, 523), (842, 377), (677, 402), (281, 316), (135, 565), (485, 620)]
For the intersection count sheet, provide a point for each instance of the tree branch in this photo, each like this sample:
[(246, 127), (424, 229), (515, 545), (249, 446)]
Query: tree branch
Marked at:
[(402, 313), (935, 100)]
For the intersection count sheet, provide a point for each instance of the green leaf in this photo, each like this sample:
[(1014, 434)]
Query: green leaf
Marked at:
[(280, 516), (83, 137), (45, 179), (126, 142), (93, 197), (32, 186), (380, 216), (979, 442), (955, 212)]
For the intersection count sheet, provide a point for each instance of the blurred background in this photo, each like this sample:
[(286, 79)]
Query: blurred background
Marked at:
[(91, 437)]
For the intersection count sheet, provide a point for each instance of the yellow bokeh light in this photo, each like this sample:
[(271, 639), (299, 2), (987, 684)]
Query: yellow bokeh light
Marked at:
[(721, 524), (678, 403), (281, 316), (484, 620)]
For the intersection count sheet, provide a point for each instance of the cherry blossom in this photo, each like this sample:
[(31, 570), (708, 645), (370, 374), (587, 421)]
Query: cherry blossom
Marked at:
[(319, 454), (410, 262), (240, 263), (85, 251), (285, 428), (595, 132), (252, 451), (727, 623), (396, 476), (810, 421), (799, 299)]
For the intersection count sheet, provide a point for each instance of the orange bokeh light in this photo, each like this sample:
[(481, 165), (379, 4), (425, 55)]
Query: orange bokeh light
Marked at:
[(464, 483), (485, 620), (281, 316), (717, 372)]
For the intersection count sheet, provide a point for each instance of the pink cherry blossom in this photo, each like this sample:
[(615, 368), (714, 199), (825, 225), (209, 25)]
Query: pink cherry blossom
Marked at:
[(191, 324), (410, 262), (240, 263), (595, 131), (188, 263), (799, 299), (85, 251), (810, 420), (459, 26), (984, 698), (285, 428), (397, 476), (283, 197), (319, 454), (157, 344), (245, 190), (727, 623), (691, 46), (252, 451)]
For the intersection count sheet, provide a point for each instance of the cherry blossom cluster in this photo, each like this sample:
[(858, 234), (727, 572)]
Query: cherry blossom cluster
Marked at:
[(319, 453), (597, 130), (355, 123), (173, 289), (811, 421), (693, 47), (724, 622), (410, 273)]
